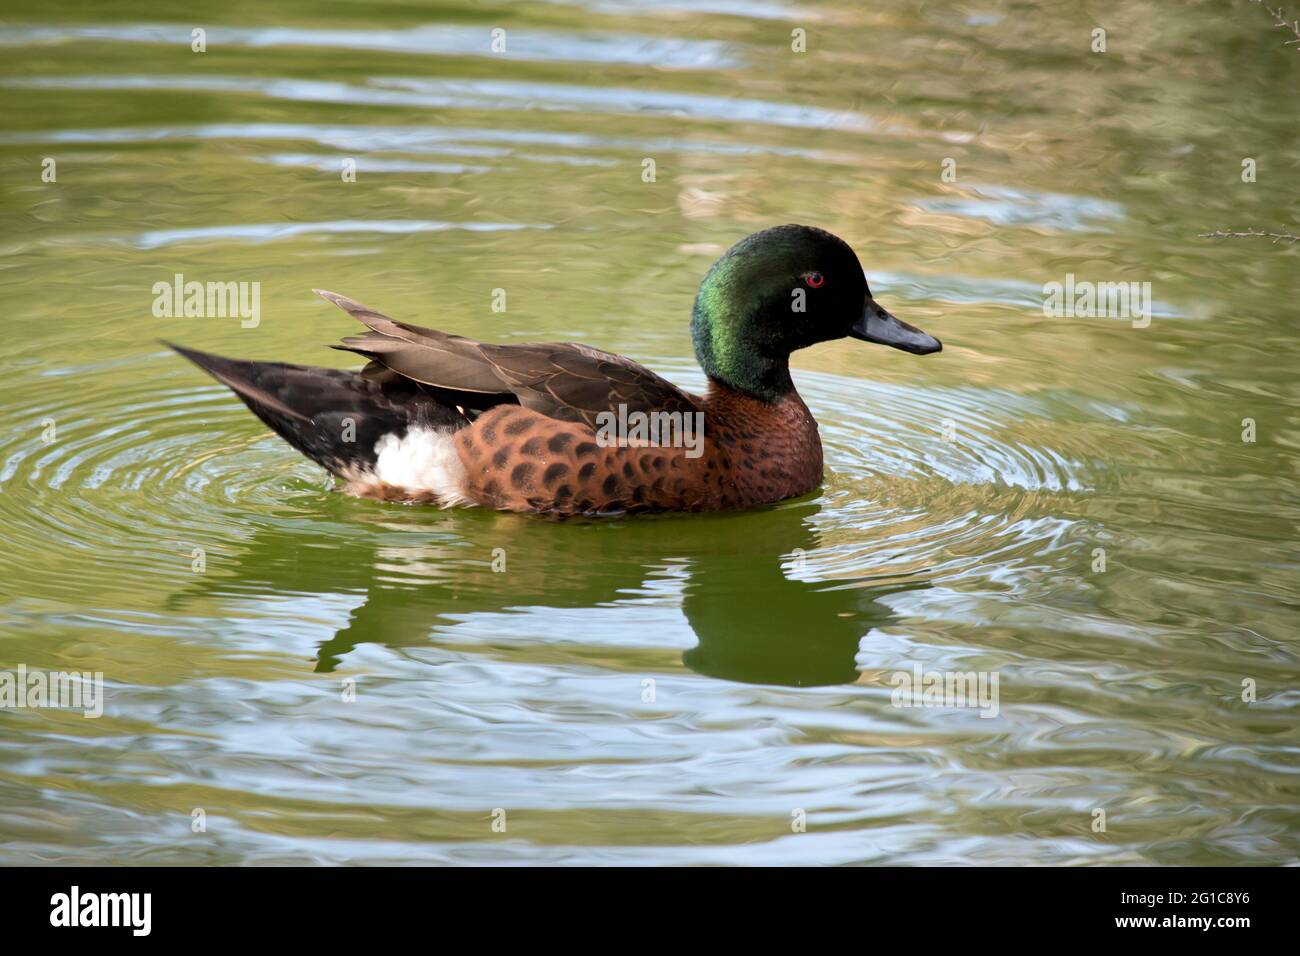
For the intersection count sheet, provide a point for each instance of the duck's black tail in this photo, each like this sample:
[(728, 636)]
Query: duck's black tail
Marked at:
[(333, 416)]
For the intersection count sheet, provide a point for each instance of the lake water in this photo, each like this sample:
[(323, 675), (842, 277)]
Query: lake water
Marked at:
[(1100, 512)]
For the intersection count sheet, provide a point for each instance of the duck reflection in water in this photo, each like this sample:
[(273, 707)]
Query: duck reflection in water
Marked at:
[(755, 619)]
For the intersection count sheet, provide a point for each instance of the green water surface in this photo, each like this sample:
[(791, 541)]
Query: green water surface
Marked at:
[(1069, 503)]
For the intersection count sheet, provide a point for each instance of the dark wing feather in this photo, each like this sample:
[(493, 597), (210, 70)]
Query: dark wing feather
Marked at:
[(563, 380)]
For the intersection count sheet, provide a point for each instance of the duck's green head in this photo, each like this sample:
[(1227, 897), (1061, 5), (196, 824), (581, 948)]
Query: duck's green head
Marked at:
[(783, 289)]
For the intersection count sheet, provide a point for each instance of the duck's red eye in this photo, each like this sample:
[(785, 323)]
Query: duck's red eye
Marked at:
[(815, 280)]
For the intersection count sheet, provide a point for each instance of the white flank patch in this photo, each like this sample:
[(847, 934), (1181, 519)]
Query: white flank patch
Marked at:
[(424, 460)]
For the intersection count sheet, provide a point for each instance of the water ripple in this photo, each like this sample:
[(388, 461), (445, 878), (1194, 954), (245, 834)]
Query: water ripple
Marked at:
[(1005, 206), (482, 94), (417, 139), (429, 40)]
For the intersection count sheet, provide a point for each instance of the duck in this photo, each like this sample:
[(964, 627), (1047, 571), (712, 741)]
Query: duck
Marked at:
[(569, 430)]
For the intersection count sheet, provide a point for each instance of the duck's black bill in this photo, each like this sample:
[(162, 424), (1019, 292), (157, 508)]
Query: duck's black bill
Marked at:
[(877, 325)]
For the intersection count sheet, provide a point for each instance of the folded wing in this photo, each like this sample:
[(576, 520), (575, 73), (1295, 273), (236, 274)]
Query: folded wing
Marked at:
[(566, 381)]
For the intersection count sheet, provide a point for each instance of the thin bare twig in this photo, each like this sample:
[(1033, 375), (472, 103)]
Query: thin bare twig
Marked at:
[(1250, 233), (1280, 20)]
